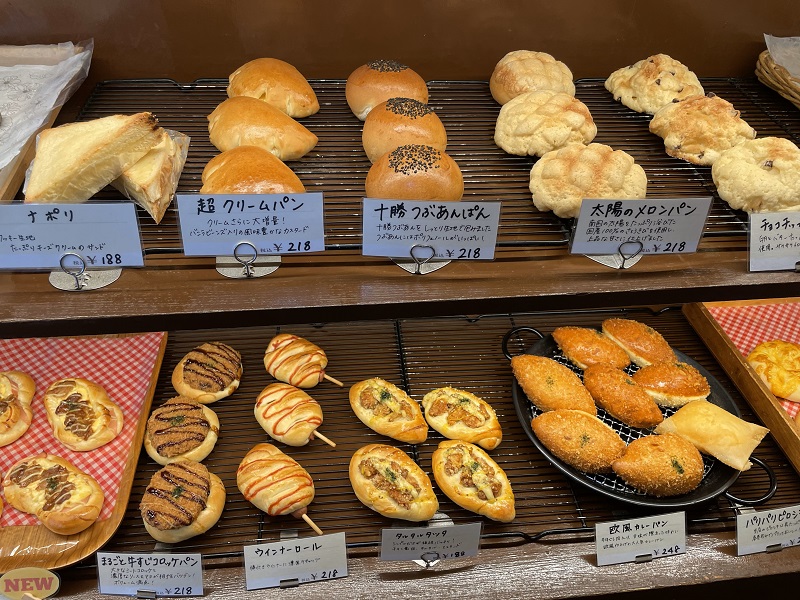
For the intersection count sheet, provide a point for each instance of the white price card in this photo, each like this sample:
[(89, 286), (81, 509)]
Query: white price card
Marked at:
[(300, 560), (450, 230), (431, 543), (166, 574), (37, 236), (774, 241), (661, 226), (638, 540), (767, 529), (274, 224)]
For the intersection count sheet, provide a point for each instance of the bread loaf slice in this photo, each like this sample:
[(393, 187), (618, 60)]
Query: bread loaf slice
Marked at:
[(74, 161)]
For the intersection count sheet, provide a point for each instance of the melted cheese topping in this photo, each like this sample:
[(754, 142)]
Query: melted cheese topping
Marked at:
[(455, 400), (480, 478), (385, 468)]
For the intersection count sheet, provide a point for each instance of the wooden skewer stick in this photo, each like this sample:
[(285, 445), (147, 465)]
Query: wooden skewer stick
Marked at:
[(324, 439), (333, 380), (311, 523)]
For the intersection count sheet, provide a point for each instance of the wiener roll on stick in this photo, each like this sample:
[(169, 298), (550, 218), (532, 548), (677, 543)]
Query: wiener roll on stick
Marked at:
[(296, 361)]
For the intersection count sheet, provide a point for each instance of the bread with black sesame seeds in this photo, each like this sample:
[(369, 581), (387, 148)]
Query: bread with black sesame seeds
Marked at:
[(399, 121), (415, 172), (379, 80)]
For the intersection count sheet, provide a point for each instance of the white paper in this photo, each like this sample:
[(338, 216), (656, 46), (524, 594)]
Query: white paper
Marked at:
[(774, 241), (431, 543), (167, 574), (786, 52), (627, 540), (757, 531)]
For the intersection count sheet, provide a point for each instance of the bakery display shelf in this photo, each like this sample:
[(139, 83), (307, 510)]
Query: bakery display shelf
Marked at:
[(419, 355), (337, 166)]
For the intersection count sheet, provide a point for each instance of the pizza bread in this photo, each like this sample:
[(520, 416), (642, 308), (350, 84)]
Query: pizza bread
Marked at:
[(585, 346), (386, 480), (16, 393), (277, 83), (65, 499), (288, 414), (388, 410), (778, 365), (523, 71), (273, 481), (473, 480), (672, 384), (208, 373), (182, 500), (643, 344), (460, 415), (661, 465), (81, 414), (295, 360), (181, 428), (715, 431), (549, 385), (618, 394)]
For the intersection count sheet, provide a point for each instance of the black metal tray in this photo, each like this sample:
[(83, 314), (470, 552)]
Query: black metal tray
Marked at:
[(717, 477)]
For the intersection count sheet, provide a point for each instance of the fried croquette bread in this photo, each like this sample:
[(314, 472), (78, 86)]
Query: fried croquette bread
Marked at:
[(618, 394), (388, 410), (81, 414), (386, 480), (461, 415), (550, 385), (715, 431), (182, 500), (16, 393), (277, 83), (584, 346), (778, 365), (522, 71), (661, 465), (208, 373), (643, 344), (288, 414), (673, 384), (294, 360), (653, 82), (65, 499), (579, 439), (473, 480), (273, 481), (181, 428)]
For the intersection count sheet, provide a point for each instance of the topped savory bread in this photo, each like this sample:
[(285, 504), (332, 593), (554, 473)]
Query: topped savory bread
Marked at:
[(295, 360), (16, 393), (643, 344), (660, 465), (288, 414), (81, 414), (549, 385), (388, 410), (584, 346), (673, 383), (181, 428), (461, 415), (207, 373)]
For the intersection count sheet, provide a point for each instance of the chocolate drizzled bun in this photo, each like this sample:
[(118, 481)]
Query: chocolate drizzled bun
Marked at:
[(415, 172), (181, 428), (209, 372)]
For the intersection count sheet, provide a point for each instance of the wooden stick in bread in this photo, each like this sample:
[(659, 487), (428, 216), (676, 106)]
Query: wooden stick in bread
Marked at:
[(289, 415), (296, 361)]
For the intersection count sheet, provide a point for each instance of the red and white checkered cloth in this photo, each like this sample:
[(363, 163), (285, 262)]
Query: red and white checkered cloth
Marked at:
[(748, 326), (123, 366)]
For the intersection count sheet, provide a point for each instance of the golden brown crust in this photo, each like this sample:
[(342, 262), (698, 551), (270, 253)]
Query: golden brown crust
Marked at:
[(287, 414), (473, 480), (550, 385), (277, 83), (16, 393), (379, 80), (672, 383), (65, 499), (415, 172), (643, 344), (523, 71), (399, 121), (249, 170), (661, 465), (386, 480), (273, 481), (461, 415), (208, 373), (715, 431), (388, 410), (295, 360), (181, 428), (617, 393), (579, 439), (777, 363), (245, 121), (584, 346), (81, 414)]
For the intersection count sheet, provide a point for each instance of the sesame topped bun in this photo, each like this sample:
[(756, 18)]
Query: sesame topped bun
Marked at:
[(415, 172), (379, 80)]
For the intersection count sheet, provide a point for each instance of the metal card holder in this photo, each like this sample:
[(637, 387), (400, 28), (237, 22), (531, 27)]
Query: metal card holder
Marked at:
[(75, 278), (244, 265), (628, 254), (421, 261)]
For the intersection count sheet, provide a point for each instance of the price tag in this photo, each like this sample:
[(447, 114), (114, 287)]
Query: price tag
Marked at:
[(274, 223), (637, 540), (669, 226), (431, 543), (774, 241), (301, 560), (453, 230), (764, 530), (36, 236), (165, 574)]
